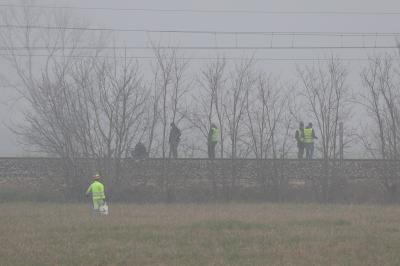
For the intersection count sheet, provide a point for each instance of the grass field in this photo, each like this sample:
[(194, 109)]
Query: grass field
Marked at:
[(213, 234)]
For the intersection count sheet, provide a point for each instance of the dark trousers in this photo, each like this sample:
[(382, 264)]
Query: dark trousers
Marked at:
[(173, 150), (211, 149), (309, 150), (300, 152)]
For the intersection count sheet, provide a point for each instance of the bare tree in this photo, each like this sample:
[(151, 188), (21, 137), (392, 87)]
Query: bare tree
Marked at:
[(49, 121), (234, 106), (328, 98), (269, 123), (164, 70), (153, 114), (265, 112), (169, 71), (78, 105), (118, 102), (381, 100), (207, 101)]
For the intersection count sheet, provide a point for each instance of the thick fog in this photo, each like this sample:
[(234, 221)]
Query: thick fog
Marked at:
[(197, 16)]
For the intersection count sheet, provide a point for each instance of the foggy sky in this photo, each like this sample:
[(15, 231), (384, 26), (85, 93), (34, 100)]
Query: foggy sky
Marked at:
[(11, 108)]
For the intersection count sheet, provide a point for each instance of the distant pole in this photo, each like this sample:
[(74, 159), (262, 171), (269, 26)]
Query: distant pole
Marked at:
[(341, 141)]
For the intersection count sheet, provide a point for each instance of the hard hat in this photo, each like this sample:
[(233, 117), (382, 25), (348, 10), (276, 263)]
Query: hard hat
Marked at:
[(96, 176)]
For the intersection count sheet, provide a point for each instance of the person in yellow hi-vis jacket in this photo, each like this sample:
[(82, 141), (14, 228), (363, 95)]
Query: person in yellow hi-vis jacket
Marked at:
[(97, 190), (213, 135)]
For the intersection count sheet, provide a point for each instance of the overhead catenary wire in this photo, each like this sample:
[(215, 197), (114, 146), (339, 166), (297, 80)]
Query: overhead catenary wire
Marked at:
[(207, 11), (211, 32), (195, 58), (254, 48)]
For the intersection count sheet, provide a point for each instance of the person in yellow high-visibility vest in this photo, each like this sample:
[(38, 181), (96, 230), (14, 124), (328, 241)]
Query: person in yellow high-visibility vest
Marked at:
[(308, 140), (213, 135), (97, 191)]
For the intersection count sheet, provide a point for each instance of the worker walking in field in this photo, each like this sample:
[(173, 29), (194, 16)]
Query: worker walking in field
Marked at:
[(213, 135), (309, 137), (98, 195)]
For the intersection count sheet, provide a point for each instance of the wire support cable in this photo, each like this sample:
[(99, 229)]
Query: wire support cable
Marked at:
[(208, 11)]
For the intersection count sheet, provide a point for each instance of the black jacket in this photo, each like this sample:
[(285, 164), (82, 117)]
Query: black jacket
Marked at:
[(174, 135)]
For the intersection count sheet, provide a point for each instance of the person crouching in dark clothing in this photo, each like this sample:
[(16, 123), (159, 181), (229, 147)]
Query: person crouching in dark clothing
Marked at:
[(140, 152)]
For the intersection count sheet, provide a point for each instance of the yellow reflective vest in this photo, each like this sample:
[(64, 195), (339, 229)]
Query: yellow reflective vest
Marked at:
[(97, 190), (308, 135), (214, 134)]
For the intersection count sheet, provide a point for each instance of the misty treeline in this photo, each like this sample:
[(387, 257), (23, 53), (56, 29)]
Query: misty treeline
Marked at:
[(93, 103)]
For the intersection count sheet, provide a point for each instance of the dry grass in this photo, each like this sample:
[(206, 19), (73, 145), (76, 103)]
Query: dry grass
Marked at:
[(220, 234)]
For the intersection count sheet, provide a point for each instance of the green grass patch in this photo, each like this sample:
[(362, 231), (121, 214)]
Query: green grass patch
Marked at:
[(320, 223), (231, 234), (218, 225)]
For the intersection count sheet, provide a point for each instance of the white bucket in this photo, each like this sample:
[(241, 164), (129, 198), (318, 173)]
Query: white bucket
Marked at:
[(103, 209)]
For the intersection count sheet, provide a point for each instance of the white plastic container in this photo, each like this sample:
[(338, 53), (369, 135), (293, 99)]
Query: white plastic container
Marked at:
[(103, 209)]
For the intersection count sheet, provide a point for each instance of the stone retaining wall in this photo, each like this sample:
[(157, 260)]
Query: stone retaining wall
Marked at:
[(204, 180)]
